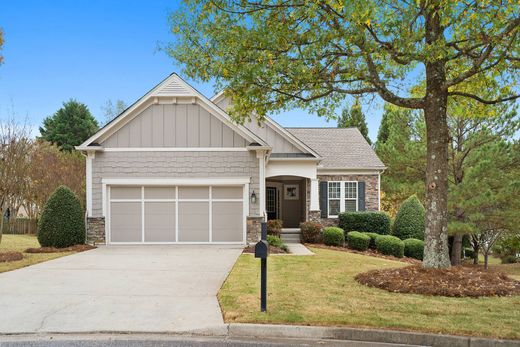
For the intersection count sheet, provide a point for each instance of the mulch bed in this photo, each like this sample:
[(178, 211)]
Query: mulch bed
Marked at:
[(76, 248), (10, 256), (272, 250), (457, 281), (368, 252)]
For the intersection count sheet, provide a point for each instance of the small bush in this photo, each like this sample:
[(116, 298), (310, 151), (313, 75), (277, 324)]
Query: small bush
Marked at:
[(311, 232), (274, 227), (390, 245), (469, 253), (357, 240), (373, 237), (509, 259), (368, 222), (409, 221), (333, 236), (277, 242), (61, 223), (414, 248)]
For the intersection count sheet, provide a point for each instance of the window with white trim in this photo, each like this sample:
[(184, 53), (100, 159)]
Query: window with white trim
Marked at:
[(342, 196)]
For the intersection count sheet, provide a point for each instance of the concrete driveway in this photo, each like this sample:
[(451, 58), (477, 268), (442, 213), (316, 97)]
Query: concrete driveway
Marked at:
[(144, 288)]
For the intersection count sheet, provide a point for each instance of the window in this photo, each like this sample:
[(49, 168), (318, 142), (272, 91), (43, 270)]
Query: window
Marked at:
[(343, 196)]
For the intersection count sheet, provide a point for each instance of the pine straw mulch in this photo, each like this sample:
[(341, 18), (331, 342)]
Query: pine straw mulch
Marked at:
[(75, 248), (10, 256), (272, 250), (457, 281), (368, 252)]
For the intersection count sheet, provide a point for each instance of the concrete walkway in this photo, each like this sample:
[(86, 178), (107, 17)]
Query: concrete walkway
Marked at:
[(298, 249), (119, 288)]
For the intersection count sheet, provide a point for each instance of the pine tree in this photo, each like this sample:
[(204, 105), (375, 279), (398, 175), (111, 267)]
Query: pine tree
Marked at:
[(354, 118)]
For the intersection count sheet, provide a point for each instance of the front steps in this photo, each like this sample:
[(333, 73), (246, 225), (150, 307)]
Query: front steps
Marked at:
[(291, 235)]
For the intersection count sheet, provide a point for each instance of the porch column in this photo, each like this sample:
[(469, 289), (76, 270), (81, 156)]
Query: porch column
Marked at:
[(315, 199), (88, 167), (260, 154)]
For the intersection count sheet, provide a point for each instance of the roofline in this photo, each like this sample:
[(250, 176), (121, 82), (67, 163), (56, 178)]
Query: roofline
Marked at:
[(370, 168), (241, 129)]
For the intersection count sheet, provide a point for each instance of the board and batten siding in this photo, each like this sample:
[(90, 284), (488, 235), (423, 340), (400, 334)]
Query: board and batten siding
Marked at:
[(174, 125), (272, 137), (173, 165)]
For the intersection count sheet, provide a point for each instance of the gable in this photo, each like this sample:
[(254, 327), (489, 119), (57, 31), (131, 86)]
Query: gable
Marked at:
[(174, 125), (273, 138)]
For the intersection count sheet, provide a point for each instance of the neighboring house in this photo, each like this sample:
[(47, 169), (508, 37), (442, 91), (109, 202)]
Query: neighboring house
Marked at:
[(174, 168)]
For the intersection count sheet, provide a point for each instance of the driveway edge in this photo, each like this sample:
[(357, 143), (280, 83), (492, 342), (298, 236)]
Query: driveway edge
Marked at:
[(361, 334)]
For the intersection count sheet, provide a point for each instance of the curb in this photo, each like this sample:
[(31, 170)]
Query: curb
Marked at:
[(365, 335)]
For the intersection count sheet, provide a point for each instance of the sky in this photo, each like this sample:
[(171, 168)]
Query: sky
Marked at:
[(96, 50)]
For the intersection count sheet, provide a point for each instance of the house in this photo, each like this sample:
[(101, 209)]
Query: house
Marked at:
[(174, 168)]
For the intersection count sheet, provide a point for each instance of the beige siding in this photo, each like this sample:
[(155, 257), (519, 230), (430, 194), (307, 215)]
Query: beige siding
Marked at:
[(272, 137), (172, 165), (179, 125)]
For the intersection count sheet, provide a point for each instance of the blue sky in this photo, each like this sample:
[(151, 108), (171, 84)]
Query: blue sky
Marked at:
[(95, 50)]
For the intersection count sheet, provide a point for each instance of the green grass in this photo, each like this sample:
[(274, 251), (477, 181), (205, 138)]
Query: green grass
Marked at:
[(20, 243), (321, 290)]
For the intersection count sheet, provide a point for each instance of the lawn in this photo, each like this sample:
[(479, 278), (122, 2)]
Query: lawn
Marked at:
[(321, 290), (20, 243)]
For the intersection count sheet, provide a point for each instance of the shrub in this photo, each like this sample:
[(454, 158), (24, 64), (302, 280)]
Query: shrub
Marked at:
[(311, 232), (414, 248), (61, 223), (333, 236), (357, 240), (274, 227), (390, 245), (409, 221), (469, 253), (373, 237), (277, 242), (509, 259), (369, 222)]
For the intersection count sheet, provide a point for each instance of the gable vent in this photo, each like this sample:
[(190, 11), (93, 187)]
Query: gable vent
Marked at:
[(173, 88)]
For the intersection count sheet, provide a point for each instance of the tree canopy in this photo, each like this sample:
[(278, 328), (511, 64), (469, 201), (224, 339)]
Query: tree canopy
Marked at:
[(354, 117), (112, 110), (272, 55), (69, 126)]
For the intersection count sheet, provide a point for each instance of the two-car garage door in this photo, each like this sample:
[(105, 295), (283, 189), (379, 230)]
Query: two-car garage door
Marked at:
[(171, 214)]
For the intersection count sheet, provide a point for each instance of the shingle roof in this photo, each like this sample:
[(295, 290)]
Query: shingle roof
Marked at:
[(339, 147)]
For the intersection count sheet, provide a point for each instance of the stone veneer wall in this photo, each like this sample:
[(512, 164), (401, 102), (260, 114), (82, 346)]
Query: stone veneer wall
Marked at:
[(371, 195), (254, 229), (96, 230)]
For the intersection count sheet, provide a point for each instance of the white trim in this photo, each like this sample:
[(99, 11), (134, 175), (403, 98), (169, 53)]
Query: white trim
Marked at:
[(104, 196), (373, 170), (176, 149), (88, 175), (210, 215), (176, 214), (143, 214), (237, 181), (294, 159), (315, 199), (261, 185), (245, 211)]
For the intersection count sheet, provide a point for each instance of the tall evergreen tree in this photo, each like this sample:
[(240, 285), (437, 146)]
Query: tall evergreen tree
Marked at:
[(69, 126), (354, 118)]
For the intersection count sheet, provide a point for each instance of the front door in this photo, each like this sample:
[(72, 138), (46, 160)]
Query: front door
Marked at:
[(271, 202)]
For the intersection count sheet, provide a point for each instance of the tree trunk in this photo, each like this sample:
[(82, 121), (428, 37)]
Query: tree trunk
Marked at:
[(476, 249), (456, 249), (486, 258)]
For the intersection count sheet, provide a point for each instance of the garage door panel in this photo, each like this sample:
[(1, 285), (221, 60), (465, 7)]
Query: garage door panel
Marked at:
[(159, 192), (193, 192), (125, 222), (227, 193), (159, 222), (125, 193), (227, 223), (193, 221)]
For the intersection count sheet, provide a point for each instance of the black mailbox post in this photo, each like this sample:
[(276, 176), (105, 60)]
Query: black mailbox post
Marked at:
[(262, 252)]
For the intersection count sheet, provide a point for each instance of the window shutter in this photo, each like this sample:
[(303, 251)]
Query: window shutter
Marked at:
[(324, 197), (361, 195)]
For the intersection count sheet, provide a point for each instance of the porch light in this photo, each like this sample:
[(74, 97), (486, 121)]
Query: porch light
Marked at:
[(253, 197)]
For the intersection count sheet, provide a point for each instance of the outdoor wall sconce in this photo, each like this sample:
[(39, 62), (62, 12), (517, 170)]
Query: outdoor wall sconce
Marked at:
[(253, 197)]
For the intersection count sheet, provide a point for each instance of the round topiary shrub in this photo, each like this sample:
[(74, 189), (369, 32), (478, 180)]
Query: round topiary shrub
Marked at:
[(409, 221), (373, 237), (333, 236), (414, 248), (357, 240), (390, 245), (311, 232), (61, 223)]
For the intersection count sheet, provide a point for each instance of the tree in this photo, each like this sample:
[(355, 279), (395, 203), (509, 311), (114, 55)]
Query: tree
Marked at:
[(70, 126), (111, 110), (15, 148), (354, 118), (409, 221), (1, 44), (280, 55)]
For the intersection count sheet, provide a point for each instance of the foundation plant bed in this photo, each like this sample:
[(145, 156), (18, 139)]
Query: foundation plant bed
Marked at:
[(322, 290), (368, 252), (10, 256), (75, 248)]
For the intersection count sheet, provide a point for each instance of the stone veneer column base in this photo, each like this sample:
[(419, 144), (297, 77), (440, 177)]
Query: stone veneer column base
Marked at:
[(254, 229), (315, 216), (96, 230)]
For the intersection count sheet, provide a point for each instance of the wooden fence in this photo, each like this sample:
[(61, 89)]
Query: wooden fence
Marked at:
[(20, 226)]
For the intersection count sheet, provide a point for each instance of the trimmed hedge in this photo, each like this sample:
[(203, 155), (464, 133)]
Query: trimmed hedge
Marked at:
[(409, 221), (368, 222), (311, 232), (274, 227), (357, 240), (390, 245), (373, 237), (61, 223), (414, 248), (333, 236)]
